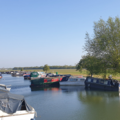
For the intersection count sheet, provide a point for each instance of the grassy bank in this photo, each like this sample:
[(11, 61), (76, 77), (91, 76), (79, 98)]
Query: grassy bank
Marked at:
[(74, 72), (84, 73)]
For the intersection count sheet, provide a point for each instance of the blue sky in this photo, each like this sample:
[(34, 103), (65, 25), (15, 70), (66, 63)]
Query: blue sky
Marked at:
[(39, 32)]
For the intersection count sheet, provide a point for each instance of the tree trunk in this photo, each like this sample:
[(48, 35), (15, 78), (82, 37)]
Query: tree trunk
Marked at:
[(91, 75)]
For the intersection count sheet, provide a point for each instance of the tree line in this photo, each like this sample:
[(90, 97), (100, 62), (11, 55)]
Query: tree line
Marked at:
[(102, 49), (41, 67)]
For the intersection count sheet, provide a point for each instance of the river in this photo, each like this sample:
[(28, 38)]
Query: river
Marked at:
[(66, 103)]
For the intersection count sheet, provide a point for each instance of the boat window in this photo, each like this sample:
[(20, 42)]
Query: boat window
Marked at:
[(101, 81), (105, 82), (2, 87), (82, 79), (89, 79), (73, 80), (94, 80), (34, 73)]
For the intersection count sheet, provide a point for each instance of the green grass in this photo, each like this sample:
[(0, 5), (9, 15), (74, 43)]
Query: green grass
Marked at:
[(74, 72)]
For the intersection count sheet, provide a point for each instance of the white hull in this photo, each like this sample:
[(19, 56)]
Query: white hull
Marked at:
[(4, 87), (75, 81), (72, 83), (19, 115)]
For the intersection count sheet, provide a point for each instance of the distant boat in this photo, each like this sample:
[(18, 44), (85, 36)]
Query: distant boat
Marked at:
[(4, 87), (0, 75), (74, 81), (14, 107), (45, 82), (14, 74), (101, 84), (36, 75)]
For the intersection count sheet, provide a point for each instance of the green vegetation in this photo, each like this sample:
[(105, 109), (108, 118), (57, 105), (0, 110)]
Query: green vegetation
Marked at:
[(104, 47), (41, 67), (21, 69), (84, 72), (91, 63), (46, 68)]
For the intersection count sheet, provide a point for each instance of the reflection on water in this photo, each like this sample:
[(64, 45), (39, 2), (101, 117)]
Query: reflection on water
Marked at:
[(92, 96), (45, 89), (67, 102)]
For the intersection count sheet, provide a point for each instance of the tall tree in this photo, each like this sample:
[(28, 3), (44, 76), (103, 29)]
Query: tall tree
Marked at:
[(46, 68), (90, 63), (105, 44)]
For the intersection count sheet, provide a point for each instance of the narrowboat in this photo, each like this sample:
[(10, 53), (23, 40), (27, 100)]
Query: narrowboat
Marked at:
[(14, 107), (74, 81), (0, 75), (45, 82), (101, 84)]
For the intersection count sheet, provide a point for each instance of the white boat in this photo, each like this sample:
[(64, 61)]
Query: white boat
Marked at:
[(4, 87), (74, 81), (14, 107)]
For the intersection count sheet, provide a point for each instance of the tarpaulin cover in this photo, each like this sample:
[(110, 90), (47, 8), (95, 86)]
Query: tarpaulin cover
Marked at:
[(10, 103)]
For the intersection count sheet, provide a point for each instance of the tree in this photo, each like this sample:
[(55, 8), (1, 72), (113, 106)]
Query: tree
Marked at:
[(105, 44), (21, 69), (90, 63), (46, 68)]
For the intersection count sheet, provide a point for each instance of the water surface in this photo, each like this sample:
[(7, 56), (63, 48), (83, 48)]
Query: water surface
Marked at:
[(67, 103)]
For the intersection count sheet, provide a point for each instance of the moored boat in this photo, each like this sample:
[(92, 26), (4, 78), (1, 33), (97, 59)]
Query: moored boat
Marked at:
[(14, 74), (37, 75), (47, 81), (0, 75), (4, 87), (71, 80), (27, 77), (14, 107), (101, 84)]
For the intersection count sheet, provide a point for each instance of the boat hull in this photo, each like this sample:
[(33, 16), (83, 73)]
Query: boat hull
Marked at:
[(77, 83), (19, 115), (101, 87), (51, 84), (101, 84)]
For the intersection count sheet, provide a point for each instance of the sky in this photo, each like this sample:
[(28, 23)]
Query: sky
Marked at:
[(39, 32)]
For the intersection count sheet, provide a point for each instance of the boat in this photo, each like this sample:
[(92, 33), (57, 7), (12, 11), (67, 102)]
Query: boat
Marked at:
[(0, 75), (37, 75), (14, 107), (27, 77), (4, 87), (14, 74), (101, 84), (72, 80), (45, 82)]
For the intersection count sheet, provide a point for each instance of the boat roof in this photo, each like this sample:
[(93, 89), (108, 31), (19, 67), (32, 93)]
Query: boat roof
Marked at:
[(10, 103), (3, 85), (102, 79)]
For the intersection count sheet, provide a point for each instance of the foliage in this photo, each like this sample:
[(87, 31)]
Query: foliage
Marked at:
[(90, 63), (105, 44), (51, 67), (46, 68), (21, 69)]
